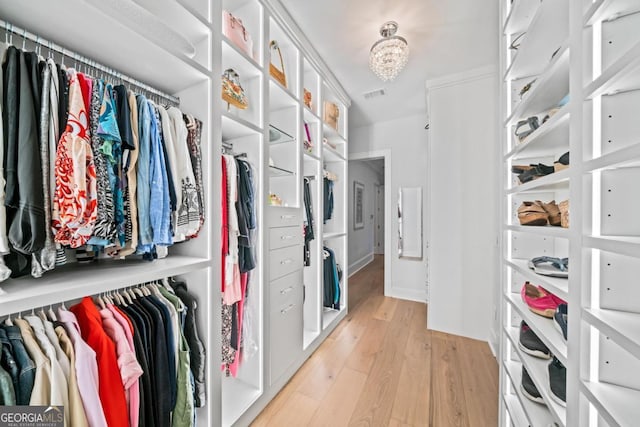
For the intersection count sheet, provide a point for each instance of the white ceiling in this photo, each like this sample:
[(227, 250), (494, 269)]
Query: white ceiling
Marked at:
[(444, 36)]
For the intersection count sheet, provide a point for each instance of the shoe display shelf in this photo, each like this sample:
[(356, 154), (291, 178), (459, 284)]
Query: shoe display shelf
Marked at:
[(606, 388), (541, 65)]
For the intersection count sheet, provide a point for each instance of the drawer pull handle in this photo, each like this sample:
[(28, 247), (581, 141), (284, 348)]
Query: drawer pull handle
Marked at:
[(287, 216), (286, 261), (286, 237), (286, 310), (286, 290)]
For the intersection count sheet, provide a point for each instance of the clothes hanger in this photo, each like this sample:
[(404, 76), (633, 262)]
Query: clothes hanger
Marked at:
[(52, 314)]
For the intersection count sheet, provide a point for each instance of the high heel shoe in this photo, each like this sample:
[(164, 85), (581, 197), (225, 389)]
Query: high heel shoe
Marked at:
[(562, 163)]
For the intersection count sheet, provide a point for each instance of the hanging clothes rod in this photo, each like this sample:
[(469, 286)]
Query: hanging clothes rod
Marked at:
[(11, 30)]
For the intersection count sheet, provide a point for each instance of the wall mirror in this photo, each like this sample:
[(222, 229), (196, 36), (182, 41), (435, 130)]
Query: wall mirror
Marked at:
[(410, 222)]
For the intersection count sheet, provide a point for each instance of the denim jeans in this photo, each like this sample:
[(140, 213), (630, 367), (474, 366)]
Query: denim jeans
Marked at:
[(26, 367)]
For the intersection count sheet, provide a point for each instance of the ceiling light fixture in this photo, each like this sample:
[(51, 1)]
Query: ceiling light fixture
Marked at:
[(389, 55)]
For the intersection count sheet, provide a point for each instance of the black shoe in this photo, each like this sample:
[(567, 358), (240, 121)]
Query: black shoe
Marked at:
[(560, 319), (531, 344), (558, 382), (529, 388)]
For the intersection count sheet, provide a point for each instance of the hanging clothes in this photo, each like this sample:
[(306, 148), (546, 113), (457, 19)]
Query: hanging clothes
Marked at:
[(308, 222), (328, 199), (331, 280)]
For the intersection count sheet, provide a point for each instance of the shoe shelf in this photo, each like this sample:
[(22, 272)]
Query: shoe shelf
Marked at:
[(617, 405), (605, 10), (622, 327), (625, 157), (556, 285), (623, 245), (623, 75), (520, 16), (542, 326), (542, 230), (547, 31), (515, 410), (549, 88), (538, 371), (552, 182), (548, 137), (537, 414)]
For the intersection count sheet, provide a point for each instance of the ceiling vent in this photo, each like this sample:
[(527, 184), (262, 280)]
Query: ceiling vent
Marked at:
[(374, 93)]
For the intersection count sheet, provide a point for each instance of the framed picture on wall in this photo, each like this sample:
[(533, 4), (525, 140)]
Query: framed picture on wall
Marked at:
[(358, 205)]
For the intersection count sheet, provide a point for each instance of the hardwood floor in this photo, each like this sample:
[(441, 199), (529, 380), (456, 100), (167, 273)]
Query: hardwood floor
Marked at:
[(382, 367)]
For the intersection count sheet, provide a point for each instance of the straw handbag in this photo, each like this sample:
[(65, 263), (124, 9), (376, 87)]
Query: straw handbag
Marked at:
[(277, 74)]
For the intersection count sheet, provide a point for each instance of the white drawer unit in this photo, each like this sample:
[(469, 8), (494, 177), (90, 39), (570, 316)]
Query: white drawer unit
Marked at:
[(284, 217), (286, 331), (283, 237), (284, 261)]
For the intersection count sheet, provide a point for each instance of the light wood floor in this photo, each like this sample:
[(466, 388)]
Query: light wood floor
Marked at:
[(382, 367)]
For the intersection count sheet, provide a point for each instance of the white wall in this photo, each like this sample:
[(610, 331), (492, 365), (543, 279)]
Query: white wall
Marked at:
[(361, 241), (406, 138), (464, 199)]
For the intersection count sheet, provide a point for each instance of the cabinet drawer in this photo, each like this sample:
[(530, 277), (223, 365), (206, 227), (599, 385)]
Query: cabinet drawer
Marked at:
[(285, 236), (283, 291), (286, 335), (284, 261), (284, 217)]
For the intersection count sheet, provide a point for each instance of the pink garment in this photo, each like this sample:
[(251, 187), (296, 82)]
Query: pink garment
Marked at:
[(132, 393), (86, 370), (233, 368), (130, 369)]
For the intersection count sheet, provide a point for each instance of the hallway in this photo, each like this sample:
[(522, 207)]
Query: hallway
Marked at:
[(382, 367)]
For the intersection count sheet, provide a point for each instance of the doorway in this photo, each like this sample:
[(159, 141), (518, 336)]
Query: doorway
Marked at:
[(369, 215)]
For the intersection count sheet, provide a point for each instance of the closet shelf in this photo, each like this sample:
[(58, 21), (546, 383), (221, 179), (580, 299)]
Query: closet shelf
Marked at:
[(617, 405), (197, 14), (233, 57), (284, 137), (543, 327), (536, 414), (520, 16), (329, 316), (552, 182), (309, 337), (310, 116), (605, 10), (280, 97), (335, 235), (548, 230), (332, 134), (331, 155), (311, 156), (625, 157), (555, 285), (276, 172), (237, 397), (538, 371), (546, 33), (515, 410), (76, 280), (550, 136), (623, 245), (623, 75), (622, 327), (234, 127), (547, 91)]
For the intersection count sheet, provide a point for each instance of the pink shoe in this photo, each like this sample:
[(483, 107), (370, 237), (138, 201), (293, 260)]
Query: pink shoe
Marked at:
[(539, 300)]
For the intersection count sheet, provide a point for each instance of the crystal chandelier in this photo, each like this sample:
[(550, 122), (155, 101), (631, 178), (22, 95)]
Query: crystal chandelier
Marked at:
[(389, 55)]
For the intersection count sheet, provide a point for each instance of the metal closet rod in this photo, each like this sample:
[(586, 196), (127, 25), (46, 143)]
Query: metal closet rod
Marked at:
[(51, 46)]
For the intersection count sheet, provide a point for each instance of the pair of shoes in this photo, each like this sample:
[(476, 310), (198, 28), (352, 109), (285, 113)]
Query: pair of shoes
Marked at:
[(528, 173), (539, 300), (562, 163), (526, 127), (560, 319), (529, 389), (539, 213), (558, 381), (564, 213), (550, 266), (530, 343)]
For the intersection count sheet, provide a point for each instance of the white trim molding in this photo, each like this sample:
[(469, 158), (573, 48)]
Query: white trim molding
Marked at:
[(360, 264)]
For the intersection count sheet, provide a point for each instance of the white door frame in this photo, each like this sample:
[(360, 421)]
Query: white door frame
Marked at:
[(379, 204), (386, 156)]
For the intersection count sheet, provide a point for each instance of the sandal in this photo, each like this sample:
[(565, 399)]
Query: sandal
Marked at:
[(562, 162), (526, 127), (553, 212), (531, 213), (550, 266), (533, 172)]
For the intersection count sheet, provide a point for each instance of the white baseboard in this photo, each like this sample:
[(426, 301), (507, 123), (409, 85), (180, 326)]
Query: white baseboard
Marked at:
[(360, 264), (493, 343), (418, 295)]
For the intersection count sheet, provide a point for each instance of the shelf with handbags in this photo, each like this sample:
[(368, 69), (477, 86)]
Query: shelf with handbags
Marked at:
[(241, 97), (284, 60), (310, 89), (333, 117), (242, 28)]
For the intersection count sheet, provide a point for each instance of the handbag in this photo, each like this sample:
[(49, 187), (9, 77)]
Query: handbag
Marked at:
[(308, 99), (232, 91), (331, 114), (277, 74), (234, 30)]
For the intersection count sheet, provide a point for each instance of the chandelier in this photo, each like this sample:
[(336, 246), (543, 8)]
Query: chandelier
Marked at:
[(389, 55)]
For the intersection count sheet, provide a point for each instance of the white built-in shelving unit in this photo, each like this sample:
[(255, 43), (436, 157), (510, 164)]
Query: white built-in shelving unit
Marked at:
[(596, 63)]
